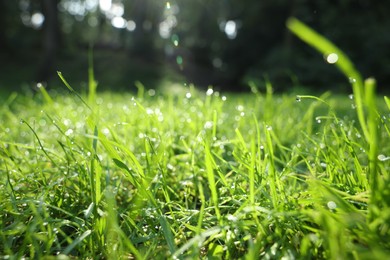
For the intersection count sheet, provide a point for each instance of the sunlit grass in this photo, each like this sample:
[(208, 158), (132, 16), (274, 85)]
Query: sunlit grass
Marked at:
[(188, 175)]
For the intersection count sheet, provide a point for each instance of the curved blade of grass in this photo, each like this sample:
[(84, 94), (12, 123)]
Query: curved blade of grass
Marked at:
[(387, 100), (326, 47), (92, 84), (45, 94), (77, 241), (39, 142), (211, 180), (168, 234), (71, 89)]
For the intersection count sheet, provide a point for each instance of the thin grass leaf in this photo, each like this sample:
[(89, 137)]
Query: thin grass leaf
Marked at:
[(326, 47), (76, 242), (168, 234), (92, 84), (45, 94), (71, 89), (387, 101)]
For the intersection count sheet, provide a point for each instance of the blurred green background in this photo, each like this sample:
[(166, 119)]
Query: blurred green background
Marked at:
[(224, 43)]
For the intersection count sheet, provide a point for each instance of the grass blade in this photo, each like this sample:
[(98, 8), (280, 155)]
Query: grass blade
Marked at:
[(77, 241), (326, 47)]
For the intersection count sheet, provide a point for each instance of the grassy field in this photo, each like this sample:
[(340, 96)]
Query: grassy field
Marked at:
[(186, 174), (190, 175)]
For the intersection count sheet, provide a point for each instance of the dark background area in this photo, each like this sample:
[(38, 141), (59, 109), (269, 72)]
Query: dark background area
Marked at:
[(222, 43)]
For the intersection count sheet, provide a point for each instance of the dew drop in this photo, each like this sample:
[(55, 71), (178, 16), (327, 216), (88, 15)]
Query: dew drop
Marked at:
[(209, 92), (383, 157), (332, 58), (331, 205), (69, 132), (240, 108), (352, 80), (350, 96), (298, 99), (151, 92), (188, 95), (208, 125)]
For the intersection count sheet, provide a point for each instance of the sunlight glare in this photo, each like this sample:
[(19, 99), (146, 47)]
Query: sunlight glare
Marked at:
[(131, 25), (231, 29), (37, 20), (118, 22), (105, 5)]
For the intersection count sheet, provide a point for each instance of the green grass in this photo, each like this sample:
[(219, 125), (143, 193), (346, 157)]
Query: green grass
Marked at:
[(164, 175), (194, 175)]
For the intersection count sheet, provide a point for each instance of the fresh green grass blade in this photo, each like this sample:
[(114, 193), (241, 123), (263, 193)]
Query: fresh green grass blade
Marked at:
[(92, 84), (71, 89), (326, 47), (387, 100), (45, 94), (168, 234), (76, 242), (211, 180)]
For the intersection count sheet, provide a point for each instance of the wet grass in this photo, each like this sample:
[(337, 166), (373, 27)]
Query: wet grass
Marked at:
[(190, 175)]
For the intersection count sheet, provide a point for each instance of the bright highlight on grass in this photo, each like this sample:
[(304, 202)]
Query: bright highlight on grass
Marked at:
[(199, 174)]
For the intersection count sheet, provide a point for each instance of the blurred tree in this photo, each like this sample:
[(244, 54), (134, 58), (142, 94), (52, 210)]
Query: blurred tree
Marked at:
[(221, 42), (3, 26), (51, 39)]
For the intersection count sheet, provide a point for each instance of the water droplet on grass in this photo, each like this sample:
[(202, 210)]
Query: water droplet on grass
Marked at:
[(332, 58), (331, 205), (209, 92), (383, 157), (188, 95), (352, 80), (208, 125), (298, 98), (69, 132), (151, 92), (350, 96)]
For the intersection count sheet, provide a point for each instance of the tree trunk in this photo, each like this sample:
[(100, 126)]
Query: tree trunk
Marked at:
[(51, 39), (3, 25)]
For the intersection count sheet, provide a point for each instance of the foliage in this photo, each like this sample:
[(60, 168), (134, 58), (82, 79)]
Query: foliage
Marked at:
[(188, 174), (191, 37)]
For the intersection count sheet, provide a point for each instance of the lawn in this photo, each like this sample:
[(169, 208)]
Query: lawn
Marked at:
[(188, 174)]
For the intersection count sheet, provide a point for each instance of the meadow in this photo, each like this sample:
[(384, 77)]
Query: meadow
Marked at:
[(189, 174)]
